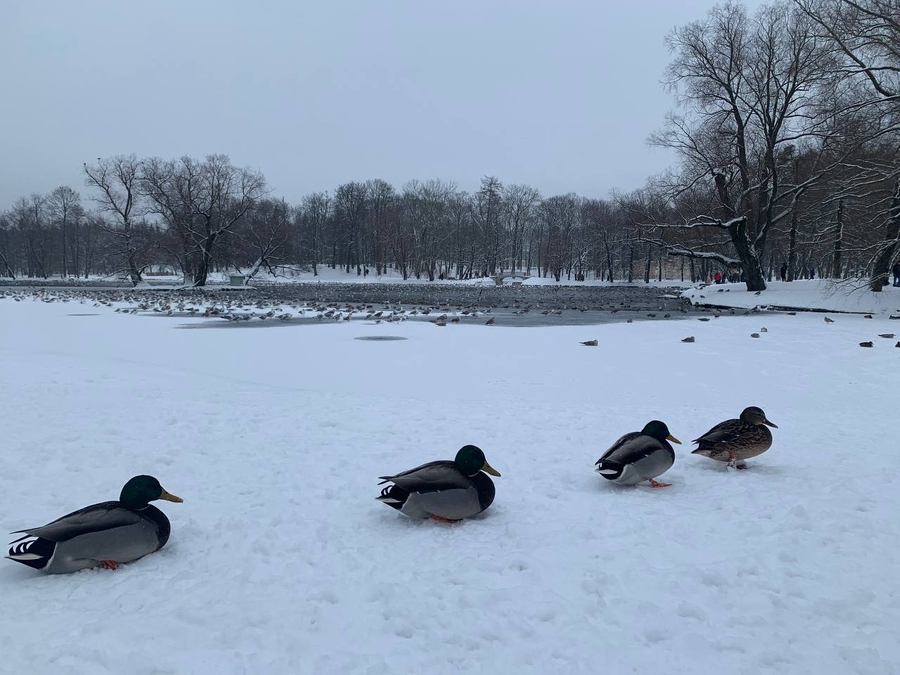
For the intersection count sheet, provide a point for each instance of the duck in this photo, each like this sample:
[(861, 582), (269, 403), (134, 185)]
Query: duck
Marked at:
[(100, 535), (734, 441), (639, 456), (445, 491)]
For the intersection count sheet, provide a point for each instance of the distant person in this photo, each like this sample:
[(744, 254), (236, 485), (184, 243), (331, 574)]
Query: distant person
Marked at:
[(784, 271), (896, 271), (718, 277)]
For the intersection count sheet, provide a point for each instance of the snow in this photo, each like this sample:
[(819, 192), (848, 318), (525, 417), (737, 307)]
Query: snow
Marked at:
[(817, 294), (281, 560)]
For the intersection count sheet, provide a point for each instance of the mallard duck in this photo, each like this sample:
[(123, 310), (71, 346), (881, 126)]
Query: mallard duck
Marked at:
[(103, 534), (733, 441), (445, 491), (639, 456)]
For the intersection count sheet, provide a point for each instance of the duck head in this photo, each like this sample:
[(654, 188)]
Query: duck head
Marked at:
[(141, 490), (470, 460), (754, 415), (659, 431)]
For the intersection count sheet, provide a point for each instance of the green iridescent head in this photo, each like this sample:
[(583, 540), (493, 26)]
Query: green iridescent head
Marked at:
[(141, 490), (470, 460), (659, 431)]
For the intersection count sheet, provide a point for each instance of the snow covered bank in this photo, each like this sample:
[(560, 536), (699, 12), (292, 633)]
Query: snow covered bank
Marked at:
[(281, 560), (813, 294)]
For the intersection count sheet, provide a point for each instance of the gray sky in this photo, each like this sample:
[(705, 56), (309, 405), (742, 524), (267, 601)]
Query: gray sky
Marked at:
[(559, 95)]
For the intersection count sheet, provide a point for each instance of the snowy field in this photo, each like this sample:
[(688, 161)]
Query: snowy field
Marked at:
[(282, 562), (817, 294)]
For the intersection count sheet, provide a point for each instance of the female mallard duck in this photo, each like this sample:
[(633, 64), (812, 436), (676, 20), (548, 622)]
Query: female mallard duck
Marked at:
[(639, 456), (103, 534), (733, 441), (444, 490)]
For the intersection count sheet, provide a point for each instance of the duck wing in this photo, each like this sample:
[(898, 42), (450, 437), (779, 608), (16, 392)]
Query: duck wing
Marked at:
[(620, 448), (94, 518), (724, 432), (430, 477)]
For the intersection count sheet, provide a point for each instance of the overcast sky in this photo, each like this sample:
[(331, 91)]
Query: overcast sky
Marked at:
[(559, 95)]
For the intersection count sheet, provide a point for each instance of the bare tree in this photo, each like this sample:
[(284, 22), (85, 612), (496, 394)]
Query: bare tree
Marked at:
[(381, 210), (315, 213), (521, 202), (487, 214), (65, 205), (265, 231), (748, 88), (116, 181), (865, 34), (5, 246), (226, 194)]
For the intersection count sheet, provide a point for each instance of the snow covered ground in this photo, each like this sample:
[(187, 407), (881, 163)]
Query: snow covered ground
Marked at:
[(281, 560), (818, 294)]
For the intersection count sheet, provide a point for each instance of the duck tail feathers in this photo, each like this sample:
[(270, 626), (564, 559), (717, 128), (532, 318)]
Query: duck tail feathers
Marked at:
[(393, 496), (609, 470), (35, 553)]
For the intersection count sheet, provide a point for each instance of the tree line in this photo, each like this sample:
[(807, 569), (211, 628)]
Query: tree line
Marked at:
[(786, 132)]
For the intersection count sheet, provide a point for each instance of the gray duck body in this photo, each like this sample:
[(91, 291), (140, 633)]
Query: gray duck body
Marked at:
[(634, 458), (438, 489), (107, 531)]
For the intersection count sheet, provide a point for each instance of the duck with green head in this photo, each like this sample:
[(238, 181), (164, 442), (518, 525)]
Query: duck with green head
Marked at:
[(445, 490), (639, 456), (734, 441), (103, 534)]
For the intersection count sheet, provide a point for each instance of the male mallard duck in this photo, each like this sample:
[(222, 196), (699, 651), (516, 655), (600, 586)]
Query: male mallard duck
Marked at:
[(103, 534), (733, 441), (444, 490), (639, 456)]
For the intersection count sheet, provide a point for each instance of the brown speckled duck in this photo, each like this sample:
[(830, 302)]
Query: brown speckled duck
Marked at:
[(734, 441)]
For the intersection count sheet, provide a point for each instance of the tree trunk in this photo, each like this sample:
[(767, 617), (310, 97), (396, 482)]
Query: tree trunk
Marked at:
[(203, 268), (792, 247), (837, 263), (647, 265), (133, 272), (65, 250), (882, 264), (749, 258), (77, 244)]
